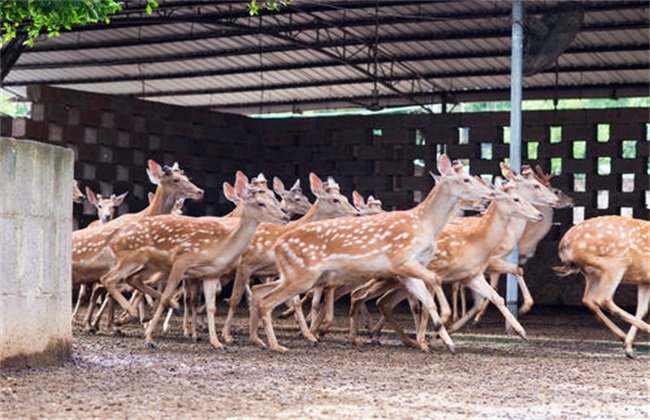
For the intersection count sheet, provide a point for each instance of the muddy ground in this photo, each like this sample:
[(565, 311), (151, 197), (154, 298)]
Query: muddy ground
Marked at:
[(570, 368)]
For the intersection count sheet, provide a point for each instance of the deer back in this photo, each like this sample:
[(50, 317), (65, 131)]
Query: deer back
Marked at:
[(609, 243)]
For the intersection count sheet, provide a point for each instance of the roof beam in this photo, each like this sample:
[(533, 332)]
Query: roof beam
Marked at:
[(498, 33), (321, 64), (370, 79)]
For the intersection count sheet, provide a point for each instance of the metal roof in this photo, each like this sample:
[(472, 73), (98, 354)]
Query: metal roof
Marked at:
[(337, 54)]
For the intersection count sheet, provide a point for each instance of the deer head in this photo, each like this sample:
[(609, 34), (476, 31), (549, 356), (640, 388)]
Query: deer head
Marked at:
[(77, 195), (105, 206), (257, 202), (529, 187), (331, 202), (373, 206), (511, 202), (174, 182), (564, 200), (459, 183), (293, 200)]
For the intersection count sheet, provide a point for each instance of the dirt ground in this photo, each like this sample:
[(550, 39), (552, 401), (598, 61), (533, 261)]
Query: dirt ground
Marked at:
[(570, 368)]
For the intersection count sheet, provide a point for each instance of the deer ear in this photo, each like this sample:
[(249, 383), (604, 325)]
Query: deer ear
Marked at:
[(444, 165), (278, 186), (229, 192), (91, 196), (155, 172), (242, 187), (120, 199), (358, 201), (296, 186), (316, 185), (150, 196), (507, 172)]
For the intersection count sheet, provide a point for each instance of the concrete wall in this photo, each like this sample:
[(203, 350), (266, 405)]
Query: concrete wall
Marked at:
[(35, 250)]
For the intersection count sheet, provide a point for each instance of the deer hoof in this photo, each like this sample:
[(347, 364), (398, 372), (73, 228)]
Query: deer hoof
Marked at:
[(279, 349), (118, 333), (150, 345), (630, 354), (452, 348), (375, 342)]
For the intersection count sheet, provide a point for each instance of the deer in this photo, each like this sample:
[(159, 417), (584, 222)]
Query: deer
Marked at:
[(91, 255), (296, 203), (259, 258), (608, 251), (105, 211), (77, 195), (462, 252), (524, 234), (399, 243), (203, 248)]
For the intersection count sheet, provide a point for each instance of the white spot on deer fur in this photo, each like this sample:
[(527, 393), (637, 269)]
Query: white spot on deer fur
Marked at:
[(582, 245)]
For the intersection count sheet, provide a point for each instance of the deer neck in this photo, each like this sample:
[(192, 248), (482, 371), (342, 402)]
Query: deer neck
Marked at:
[(240, 238), (436, 209), (490, 230), (162, 203), (313, 215)]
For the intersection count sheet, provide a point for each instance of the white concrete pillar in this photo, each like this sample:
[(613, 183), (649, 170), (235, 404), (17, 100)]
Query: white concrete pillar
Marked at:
[(35, 253)]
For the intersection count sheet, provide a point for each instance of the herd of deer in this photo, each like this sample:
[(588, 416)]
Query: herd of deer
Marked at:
[(336, 249)]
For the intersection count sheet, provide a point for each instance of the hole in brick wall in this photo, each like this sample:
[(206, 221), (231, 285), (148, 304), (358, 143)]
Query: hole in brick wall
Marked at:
[(532, 147), (628, 149), (440, 150), (463, 135), (506, 135), (602, 199), (417, 196), (604, 165), (647, 199), (486, 151), (122, 173), (418, 163), (580, 182), (555, 134), (627, 182), (556, 165), (602, 133), (578, 215), (377, 132), (420, 139), (489, 178), (579, 149), (105, 154), (139, 191), (647, 131), (627, 211)]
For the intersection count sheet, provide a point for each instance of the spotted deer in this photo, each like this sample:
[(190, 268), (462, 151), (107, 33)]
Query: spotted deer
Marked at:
[(293, 200), (105, 212), (91, 254), (399, 243), (202, 248), (462, 252), (525, 235), (608, 251), (77, 195), (259, 259)]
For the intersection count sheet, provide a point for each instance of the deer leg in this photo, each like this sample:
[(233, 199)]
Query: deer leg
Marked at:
[(80, 297), (326, 315), (242, 280), (172, 282), (211, 288), (357, 299), (266, 302), (494, 283), (110, 280), (316, 298), (480, 286), (605, 299), (445, 310), (592, 285), (455, 290), (643, 300), (386, 304), (88, 325)]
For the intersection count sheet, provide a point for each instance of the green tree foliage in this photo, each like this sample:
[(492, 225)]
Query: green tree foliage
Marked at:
[(255, 6), (36, 17)]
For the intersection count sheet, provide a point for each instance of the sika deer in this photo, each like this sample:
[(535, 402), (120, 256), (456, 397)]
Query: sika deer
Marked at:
[(259, 258), (293, 200), (105, 211), (204, 247), (399, 243), (463, 250), (608, 251), (91, 255)]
